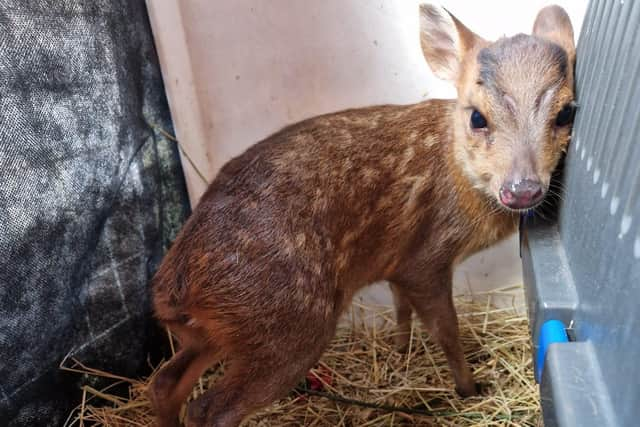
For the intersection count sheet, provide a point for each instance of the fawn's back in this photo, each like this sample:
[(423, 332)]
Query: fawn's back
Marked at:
[(321, 209)]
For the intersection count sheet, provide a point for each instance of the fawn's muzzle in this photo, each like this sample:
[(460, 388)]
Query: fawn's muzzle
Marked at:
[(521, 194)]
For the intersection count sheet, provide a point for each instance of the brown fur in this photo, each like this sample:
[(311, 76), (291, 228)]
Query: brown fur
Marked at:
[(292, 228)]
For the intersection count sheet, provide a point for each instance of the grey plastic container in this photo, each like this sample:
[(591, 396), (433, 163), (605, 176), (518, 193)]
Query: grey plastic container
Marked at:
[(584, 268)]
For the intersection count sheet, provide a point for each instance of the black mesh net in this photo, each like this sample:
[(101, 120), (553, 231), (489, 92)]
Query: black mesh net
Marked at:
[(91, 196)]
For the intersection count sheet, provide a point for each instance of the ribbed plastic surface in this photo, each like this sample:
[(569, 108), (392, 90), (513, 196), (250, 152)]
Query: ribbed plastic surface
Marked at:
[(600, 221), (598, 230)]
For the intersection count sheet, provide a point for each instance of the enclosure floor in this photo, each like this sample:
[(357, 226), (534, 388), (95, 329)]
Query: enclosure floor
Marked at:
[(362, 381)]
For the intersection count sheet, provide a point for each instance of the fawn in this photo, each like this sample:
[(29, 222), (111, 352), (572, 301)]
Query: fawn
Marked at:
[(292, 228)]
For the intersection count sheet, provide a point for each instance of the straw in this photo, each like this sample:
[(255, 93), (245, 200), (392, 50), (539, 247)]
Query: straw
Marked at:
[(367, 383)]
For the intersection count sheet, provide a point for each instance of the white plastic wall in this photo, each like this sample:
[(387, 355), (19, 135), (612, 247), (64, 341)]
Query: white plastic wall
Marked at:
[(236, 71)]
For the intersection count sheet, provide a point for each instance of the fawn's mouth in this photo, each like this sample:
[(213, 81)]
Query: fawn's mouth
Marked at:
[(524, 208), (521, 195)]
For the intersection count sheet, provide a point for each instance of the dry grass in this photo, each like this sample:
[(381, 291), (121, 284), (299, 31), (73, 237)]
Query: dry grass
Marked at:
[(365, 380)]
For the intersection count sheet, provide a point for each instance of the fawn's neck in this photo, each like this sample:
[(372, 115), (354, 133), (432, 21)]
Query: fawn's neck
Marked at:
[(451, 215), (482, 219)]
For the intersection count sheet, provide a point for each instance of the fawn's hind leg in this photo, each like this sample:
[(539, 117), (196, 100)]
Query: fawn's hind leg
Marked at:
[(172, 384), (256, 376), (242, 391), (403, 318)]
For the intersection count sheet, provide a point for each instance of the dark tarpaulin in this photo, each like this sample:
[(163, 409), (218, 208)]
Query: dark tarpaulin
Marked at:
[(91, 196)]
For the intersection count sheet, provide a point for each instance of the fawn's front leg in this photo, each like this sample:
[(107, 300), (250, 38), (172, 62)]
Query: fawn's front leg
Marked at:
[(403, 318), (431, 298)]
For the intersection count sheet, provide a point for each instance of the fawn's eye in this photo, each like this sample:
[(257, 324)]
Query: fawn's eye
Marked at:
[(477, 120), (565, 116)]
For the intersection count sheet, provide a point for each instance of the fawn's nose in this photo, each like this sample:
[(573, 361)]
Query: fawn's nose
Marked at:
[(522, 194)]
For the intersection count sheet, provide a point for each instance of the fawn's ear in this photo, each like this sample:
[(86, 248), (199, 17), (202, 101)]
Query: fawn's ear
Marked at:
[(444, 40), (553, 24)]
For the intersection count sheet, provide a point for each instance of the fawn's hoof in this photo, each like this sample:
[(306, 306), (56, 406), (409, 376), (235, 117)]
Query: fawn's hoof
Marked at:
[(474, 390), (401, 343)]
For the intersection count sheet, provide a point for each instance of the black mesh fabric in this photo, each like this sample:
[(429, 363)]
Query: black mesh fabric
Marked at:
[(91, 196)]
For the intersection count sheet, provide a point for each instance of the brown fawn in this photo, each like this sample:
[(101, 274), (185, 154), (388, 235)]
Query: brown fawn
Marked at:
[(292, 228)]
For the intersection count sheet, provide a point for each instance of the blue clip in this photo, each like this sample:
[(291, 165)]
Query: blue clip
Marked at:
[(551, 331)]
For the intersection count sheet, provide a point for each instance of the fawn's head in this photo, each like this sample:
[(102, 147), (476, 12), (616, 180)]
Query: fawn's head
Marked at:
[(515, 103)]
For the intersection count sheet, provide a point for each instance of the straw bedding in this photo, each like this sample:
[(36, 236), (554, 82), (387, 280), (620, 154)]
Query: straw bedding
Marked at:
[(362, 381)]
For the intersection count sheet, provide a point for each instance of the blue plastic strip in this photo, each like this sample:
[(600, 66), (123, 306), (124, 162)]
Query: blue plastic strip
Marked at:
[(551, 331)]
